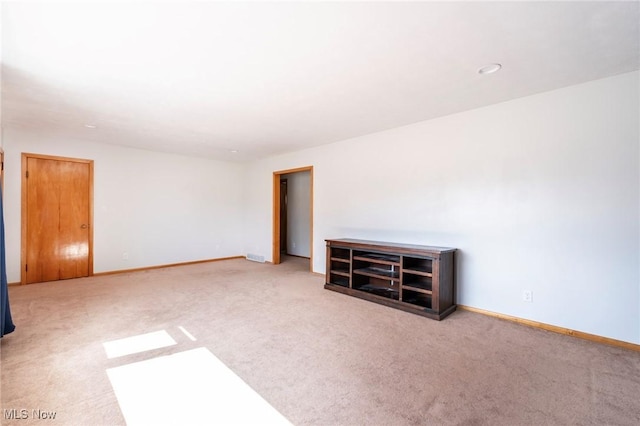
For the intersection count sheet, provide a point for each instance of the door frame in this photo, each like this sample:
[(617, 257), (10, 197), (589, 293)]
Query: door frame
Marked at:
[(276, 213), (23, 208)]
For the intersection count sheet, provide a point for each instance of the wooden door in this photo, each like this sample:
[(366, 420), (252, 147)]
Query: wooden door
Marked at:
[(56, 218)]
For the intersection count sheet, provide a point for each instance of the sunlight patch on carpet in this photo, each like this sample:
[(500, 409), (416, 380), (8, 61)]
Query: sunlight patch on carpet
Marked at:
[(139, 343), (191, 387), (186, 333)]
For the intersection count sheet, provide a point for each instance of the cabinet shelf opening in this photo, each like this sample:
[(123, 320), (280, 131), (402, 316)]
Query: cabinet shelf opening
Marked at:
[(377, 286), (416, 298), (384, 259), (341, 253), (340, 267), (339, 280), (418, 264), (378, 272), (417, 281)]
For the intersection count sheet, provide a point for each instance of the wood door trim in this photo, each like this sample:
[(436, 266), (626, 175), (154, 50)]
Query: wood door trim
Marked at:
[(275, 248), (23, 208), (55, 157)]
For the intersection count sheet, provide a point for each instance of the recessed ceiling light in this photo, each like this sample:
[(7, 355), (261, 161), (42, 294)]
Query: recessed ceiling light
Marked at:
[(90, 126), (489, 69), (234, 151)]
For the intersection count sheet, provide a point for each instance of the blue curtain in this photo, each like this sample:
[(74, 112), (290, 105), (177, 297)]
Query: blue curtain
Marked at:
[(6, 323)]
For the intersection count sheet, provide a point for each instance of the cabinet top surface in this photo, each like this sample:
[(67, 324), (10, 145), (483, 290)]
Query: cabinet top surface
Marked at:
[(388, 245)]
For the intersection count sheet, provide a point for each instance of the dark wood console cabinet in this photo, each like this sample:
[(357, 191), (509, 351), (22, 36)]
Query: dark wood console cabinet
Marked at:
[(414, 278)]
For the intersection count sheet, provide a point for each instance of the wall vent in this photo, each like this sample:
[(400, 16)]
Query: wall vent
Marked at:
[(255, 257)]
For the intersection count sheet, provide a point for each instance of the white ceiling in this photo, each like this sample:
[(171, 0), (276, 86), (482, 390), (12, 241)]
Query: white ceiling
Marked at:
[(265, 78)]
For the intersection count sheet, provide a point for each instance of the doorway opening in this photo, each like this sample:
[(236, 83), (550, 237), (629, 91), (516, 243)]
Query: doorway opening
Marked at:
[(2, 170), (293, 214), (284, 207)]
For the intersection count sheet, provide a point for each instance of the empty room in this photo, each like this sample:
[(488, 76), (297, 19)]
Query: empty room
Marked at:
[(320, 213)]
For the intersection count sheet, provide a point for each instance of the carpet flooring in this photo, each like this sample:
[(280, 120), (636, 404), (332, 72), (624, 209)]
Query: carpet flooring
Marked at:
[(316, 357)]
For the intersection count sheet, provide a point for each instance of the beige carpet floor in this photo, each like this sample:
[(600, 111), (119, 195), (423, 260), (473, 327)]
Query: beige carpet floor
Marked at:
[(318, 357)]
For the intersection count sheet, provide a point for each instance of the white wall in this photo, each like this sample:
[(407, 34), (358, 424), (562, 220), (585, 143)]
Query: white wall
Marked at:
[(539, 193), (298, 213), (159, 208)]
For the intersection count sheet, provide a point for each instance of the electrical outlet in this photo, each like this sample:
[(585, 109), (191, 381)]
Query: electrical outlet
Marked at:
[(125, 256), (294, 245), (527, 296)]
